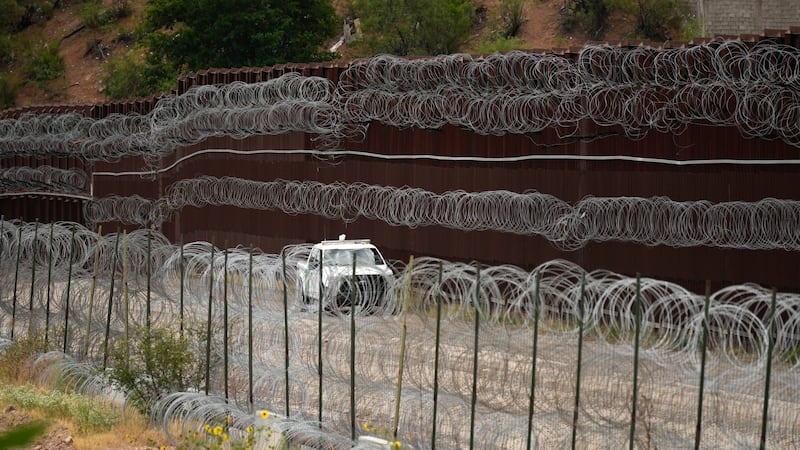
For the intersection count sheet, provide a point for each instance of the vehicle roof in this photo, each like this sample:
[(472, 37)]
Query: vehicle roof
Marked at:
[(345, 244)]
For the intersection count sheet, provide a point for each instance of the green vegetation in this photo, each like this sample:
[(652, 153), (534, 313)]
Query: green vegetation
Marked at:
[(157, 363), (89, 415), (8, 91), (498, 44), (190, 35), (22, 435), (656, 19), (94, 15), (125, 78), (414, 27), (45, 64), (590, 16), (511, 11)]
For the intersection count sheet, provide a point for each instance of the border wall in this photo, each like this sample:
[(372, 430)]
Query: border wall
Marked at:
[(544, 162)]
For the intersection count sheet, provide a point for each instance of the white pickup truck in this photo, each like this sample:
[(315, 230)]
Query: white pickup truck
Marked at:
[(333, 261)]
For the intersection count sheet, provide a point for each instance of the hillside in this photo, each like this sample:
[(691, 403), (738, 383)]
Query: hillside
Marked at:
[(86, 50)]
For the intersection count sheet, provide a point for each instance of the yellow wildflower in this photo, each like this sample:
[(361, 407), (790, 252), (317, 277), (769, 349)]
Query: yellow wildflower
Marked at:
[(225, 437), (366, 427), (264, 414), (396, 444), (249, 430), (217, 430), (208, 428)]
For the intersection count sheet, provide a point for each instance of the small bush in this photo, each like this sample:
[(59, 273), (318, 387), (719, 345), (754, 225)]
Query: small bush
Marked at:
[(93, 15), (46, 64), (692, 28), (513, 17), (120, 10), (657, 19), (8, 91), (15, 361), (160, 362), (125, 78), (589, 16)]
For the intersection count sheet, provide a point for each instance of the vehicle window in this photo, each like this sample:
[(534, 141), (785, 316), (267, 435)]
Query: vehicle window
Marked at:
[(377, 257), (364, 256)]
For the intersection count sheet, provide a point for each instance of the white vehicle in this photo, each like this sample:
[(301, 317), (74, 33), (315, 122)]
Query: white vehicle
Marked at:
[(333, 262)]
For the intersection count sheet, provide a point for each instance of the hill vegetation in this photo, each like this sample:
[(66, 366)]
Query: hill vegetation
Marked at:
[(86, 51)]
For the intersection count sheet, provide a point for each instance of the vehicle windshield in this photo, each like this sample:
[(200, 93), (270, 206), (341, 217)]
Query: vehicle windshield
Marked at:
[(342, 257)]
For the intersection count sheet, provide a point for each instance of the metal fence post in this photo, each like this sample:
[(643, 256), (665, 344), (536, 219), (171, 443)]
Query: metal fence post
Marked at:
[(533, 359), (49, 280), (475, 357), (110, 300), (436, 356), (580, 357), (770, 345), (703, 350), (208, 320), (69, 285), (637, 327)]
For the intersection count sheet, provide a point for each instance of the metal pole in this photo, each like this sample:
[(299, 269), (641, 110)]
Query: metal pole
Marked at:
[(69, 285), (319, 334), (33, 276), (91, 292), (208, 321), (250, 331), (770, 345), (533, 359), (49, 280), (110, 300), (401, 364), (182, 269), (353, 287), (703, 349), (475, 358), (16, 278), (147, 265), (638, 319), (285, 330), (125, 299), (436, 357), (580, 357), (225, 319)]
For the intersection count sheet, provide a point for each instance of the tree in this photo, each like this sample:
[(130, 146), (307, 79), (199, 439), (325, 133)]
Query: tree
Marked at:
[(404, 27), (191, 35)]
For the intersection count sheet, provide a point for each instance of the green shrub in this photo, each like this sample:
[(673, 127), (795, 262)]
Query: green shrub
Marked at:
[(589, 16), (93, 15), (692, 28), (156, 364), (513, 15), (657, 19), (8, 91), (46, 64), (125, 78)]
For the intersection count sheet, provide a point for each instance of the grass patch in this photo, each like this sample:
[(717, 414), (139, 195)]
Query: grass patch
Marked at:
[(89, 415)]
